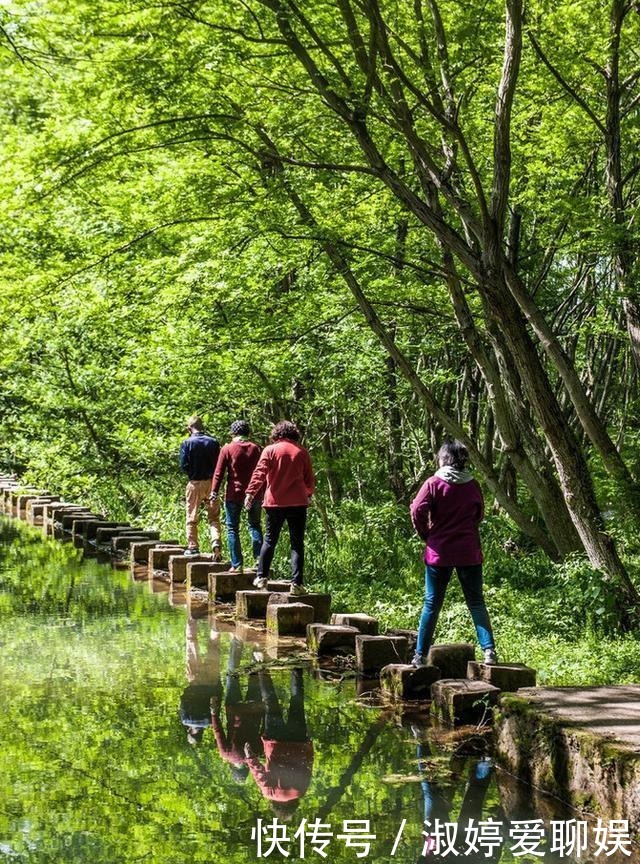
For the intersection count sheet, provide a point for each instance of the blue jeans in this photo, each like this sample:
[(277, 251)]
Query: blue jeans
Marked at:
[(436, 580), (232, 511)]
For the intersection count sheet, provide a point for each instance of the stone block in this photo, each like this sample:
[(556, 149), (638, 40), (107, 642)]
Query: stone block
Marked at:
[(461, 702), (328, 639), (279, 585), (249, 632), (223, 587), (105, 535), (507, 677), (252, 604), (451, 658), (320, 603), (140, 550), (288, 619), (363, 623), (368, 687), (400, 682), (178, 565), (124, 542), (91, 529), (374, 652), (198, 573), (283, 648), (410, 635), (67, 519), (159, 556), (35, 508)]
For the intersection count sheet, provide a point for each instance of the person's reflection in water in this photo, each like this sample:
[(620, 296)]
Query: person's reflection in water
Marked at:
[(243, 716), (288, 750), (438, 798), (203, 675)]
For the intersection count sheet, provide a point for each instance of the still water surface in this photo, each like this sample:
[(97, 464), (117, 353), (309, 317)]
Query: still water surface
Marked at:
[(134, 731)]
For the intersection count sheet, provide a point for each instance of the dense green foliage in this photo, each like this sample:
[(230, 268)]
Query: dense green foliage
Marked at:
[(240, 209)]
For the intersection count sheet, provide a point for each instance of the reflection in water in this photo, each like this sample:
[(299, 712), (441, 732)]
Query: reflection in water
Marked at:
[(96, 716)]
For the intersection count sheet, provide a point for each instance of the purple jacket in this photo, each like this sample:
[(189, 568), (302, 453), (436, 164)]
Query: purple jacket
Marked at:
[(446, 516)]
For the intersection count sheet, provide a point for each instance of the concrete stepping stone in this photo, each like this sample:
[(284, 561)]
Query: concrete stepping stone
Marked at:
[(104, 536), (67, 519), (410, 635), (159, 557), (363, 623), (201, 569), (508, 677), (91, 529), (78, 522), (325, 640), (279, 585), (178, 564), (140, 550), (252, 604), (35, 508), (124, 542), (451, 658), (320, 603), (289, 619), (374, 652), (400, 682), (458, 702), (223, 587)]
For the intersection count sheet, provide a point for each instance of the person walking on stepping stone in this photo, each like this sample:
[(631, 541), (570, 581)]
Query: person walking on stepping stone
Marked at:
[(236, 463), (446, 514), (285, 474), (198, 456)]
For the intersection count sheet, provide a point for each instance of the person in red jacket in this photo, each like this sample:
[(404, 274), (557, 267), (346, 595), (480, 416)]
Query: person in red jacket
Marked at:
[(236, 463), (285, 474), (286, 773)]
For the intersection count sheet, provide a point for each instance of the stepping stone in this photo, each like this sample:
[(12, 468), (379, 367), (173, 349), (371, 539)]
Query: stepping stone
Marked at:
[(321, 603), (201, 569), (78, 521), (247, 632), (368, 687), (283, 647), (461, 702), (279, 585), (35, 508), (363, 623), (124, 542), (139, 552), (410, 635), (67, 519), (508, 677), (159, 556), (451, 658), (105, 535), (90, 532), (374, 652), (178, 565), (288, 619), (223, 587), (329, 639), (252, 604), (401, 682)]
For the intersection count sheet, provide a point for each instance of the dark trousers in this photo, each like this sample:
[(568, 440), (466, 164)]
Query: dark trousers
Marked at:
[(276, 728), (296, 519)]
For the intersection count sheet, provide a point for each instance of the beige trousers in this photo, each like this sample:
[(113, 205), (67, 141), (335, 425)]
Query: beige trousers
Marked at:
[(197, 493)]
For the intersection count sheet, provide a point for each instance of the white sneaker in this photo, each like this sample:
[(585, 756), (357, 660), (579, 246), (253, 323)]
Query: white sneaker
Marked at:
[(260, 583), (419, 660), (490, 657), (298, 590)]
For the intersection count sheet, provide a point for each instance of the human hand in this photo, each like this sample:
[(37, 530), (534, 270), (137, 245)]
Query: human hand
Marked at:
[(248, 501), (213, 496), (248, 750)]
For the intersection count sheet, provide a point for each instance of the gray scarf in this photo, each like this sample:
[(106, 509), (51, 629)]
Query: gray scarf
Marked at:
[(453, 475)]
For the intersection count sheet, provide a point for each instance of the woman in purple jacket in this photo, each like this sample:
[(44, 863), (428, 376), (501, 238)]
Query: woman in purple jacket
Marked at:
[(446, 513)]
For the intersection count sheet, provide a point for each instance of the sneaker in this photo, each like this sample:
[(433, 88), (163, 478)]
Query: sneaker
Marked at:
[(192, 550), (419, 660), (217, 554), (490, 657), (297, 590), (258, 656), (260, 583), (237, 569)]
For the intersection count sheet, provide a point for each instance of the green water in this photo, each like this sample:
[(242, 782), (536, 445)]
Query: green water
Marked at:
[(107, 753)]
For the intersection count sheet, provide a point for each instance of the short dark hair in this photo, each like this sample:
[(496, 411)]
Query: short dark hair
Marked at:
[(453, 453), (240, 427), (285, 429)]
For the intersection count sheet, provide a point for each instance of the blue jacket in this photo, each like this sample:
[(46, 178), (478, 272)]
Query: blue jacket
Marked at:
[(198, 456)]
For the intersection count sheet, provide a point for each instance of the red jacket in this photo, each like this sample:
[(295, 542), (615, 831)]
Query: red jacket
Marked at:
[(446, 516), (237, 460), (287, 773), (285, 469)]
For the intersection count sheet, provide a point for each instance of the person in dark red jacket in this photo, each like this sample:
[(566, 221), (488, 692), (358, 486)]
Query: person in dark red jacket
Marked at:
[(285, 474), (236, 463), (446, 514)]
